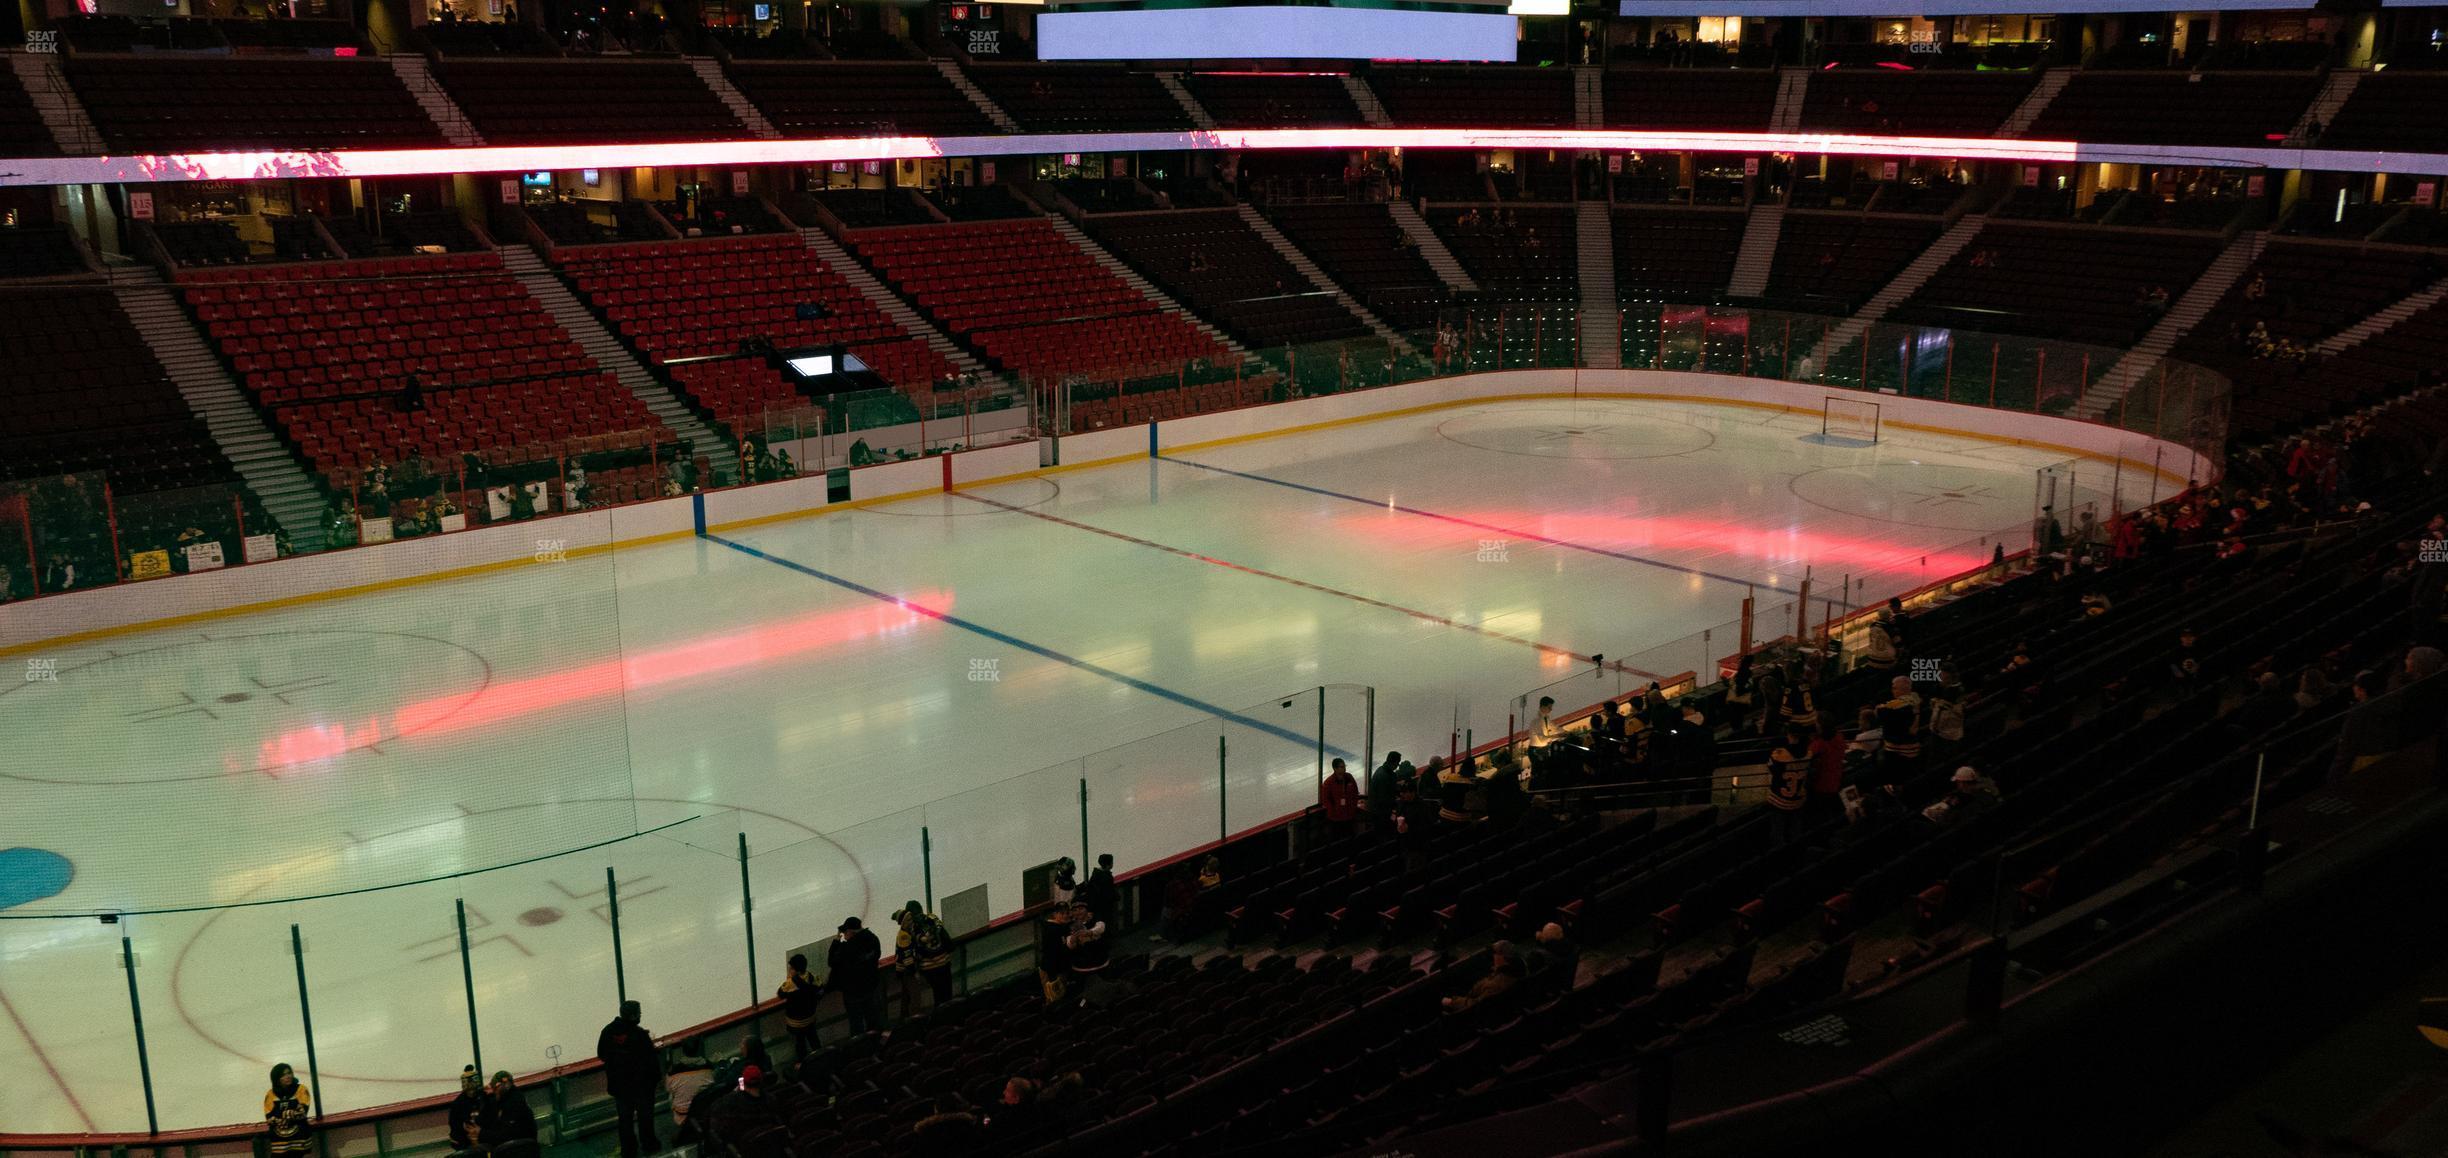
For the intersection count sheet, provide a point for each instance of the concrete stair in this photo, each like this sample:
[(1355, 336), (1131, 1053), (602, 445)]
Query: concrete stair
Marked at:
[(1189, 104), (1432, 247), (245, 437), (1905, 285), (710, 71), (1372, 110), (1601, 320), (1758, 253), (2183, 314), (2323, 111), (1589, 96), (1116, 266), (444, 112), (2371, 327), (1317, 276), (2034, 103), (977, 96), (62, 113), (1792, 83), (591, 336), (897, 308)]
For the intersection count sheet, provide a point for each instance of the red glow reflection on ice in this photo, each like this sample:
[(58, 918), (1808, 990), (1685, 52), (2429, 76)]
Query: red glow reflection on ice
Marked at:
[(679, 663)]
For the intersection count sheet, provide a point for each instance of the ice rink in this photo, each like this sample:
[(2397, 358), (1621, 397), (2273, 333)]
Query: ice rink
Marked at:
[(831, 685)]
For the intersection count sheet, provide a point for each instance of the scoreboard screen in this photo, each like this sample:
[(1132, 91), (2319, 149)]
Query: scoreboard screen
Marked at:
[(1344, 31)]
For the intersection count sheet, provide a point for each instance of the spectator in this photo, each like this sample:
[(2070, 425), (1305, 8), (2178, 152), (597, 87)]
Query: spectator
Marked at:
[(1879, 649), (632, 1075), (691, 1073), (948, 1130), (1970, 795), (1771, 693), (1088, 950), (2421, 663), (2269, 704), (1017, 1112), (1899, 721), (508, 1125), (1180, 906), (2312, 688), (2370, 727), (1543, 729), (1381, 794), (1054, 955), (1211, 872), (1503, 974), (465, 1110), (1503, 788), (800, 992), (1799, 710), (1453, 787), (741, 1118), (1066, 882), (2184, 668), (852, 969), (922, 951), (1789, 768), (1339, 800), (1740, 692), (1563, 953), (1695, 744), (286, 1109), (1102, 896)]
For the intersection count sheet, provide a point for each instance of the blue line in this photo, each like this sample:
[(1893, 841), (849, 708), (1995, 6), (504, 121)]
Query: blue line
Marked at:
[(1508, 531), (1188, 701)]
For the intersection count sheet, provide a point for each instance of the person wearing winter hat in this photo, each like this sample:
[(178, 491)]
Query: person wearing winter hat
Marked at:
[(744, 1116), (508, 1127), (285, 1109), (465, 1112)]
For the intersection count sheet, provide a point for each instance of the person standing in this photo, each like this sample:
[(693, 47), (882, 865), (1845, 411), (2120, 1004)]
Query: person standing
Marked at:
[(286, 1107), (1339, 801), (632, 1074), (1099, 892), (924, 950), (1827, 769), (1088, 950), (1381, 794), (1789, 769), (800, 992), (853, 968)]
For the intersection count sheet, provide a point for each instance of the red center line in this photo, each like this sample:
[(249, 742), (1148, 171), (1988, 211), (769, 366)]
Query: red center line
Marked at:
[(1229, 565), (27, 1032)]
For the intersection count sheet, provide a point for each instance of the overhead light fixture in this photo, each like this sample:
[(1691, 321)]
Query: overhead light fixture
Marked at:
[(1541, 8)]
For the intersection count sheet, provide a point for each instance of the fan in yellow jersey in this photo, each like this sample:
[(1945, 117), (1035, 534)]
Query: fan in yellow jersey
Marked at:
[(285, 1111)]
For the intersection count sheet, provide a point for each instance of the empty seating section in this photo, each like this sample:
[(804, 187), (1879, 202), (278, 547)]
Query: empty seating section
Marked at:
[(1219, 267), (2083, 285), (1668, 255), (1833, 262), (2298, 293), (1476, 97), (863, 208), (1022, 295), (329, 349), (837, 99), (1050, 98), (1737, 100), (1935, 103), (22, 131), (1520, 251), (2173, 108), (559, 102), (696, 299), (38, 251), (1361, 247), (165, 103), (80, 391), (2393, 110), (1241, 100), (202, 242)]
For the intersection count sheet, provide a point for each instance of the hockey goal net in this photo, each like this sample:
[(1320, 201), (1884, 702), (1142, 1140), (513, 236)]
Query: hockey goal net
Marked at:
[(1850, 420)]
